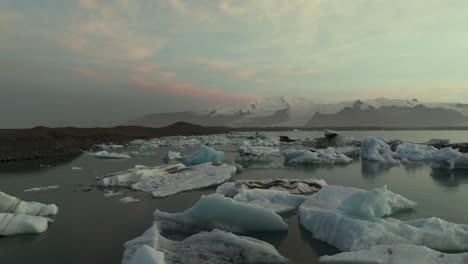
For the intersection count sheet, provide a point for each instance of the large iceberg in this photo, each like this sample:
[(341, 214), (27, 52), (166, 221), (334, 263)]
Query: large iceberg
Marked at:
[(278, 201), (449, 159), (110, 155), (415, 152), (348, 218), (396, 254), (218, 212), (167, 180), (215, 247), (15, 224), (327, 156), (376, 149), (293, 186), (13, 205), (203, 155)]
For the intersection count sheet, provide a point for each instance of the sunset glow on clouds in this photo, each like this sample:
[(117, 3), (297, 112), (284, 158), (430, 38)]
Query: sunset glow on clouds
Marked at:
[(242, 49)]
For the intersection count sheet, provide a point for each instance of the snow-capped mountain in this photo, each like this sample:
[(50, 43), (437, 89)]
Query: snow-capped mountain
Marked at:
[(288, 111)]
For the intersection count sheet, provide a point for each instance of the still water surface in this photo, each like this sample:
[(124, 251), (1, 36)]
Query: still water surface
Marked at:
[(91, 228)]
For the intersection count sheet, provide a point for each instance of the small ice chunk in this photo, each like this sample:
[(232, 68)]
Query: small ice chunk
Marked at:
[(167, 180), (203, 155), (143, 153), (172, 156), (215, 247), (110, 155), (216, 211), (112, 194), (128, 199), (15, 224), (376, 149), (415, 152), (11, 204), (77, 168), (396, 254), (42, 188)]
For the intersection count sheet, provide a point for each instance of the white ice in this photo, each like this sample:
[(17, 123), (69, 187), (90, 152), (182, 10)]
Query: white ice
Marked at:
[(172, 156), (128, 199), (11, 204), (277, 201), (203, 155), (77, 168), (351, 225), (167, 180), (215, 247), (220, 212), (112, 194), (376, 149), (449, 159), (415, 152), (15, 224), (147, 255), (327, 156), (110, 155), (42, 188), (247, 148), (396, 254)]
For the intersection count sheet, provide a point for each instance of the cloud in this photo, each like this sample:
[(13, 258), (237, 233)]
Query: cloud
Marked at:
[(91, 74), (190, 90), (145, 68), (167, 75)]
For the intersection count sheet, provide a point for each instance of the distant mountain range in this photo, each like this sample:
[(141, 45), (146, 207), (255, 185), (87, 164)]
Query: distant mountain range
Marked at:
[(303, 112)]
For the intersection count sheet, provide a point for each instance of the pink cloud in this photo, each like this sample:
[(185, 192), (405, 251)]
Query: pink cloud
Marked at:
[(187, 89), (89, 74), (145, 68)]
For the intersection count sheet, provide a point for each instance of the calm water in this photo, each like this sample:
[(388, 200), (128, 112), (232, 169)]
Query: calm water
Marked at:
[(92, 229)]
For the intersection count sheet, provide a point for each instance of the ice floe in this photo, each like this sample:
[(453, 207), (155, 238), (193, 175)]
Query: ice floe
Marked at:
[(15, 224), (415, 152), (216, 211), (167, 180), (110, 155), (354, 225), (376, 149), (215, 247), (203, 155), (396, 254), (11, 204), (42, 188), (327, 156)]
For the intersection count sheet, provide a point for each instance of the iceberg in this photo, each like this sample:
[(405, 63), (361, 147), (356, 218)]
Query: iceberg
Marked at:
[(143, 153), (167, 180), (15, 224), (112, 194), (376, 149), (215, 247), (355, 224), (415, 152), (172, 156), (267, 142), (203, 155), (13, 205), (77, 168), (218, 212), (186, 143), (257, 150), (327, 156), (293, 186), (128, 199), (396, 254), (279, 202), (110, 155), (41, 188), (438, 142), (445, 158)]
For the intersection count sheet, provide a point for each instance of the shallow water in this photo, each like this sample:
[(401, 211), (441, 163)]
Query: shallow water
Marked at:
[(91, 228)]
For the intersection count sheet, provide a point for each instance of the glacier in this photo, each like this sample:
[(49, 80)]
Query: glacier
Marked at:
[(216, 211), (354, 225), (396, 254), (214, 247), (167, 180)]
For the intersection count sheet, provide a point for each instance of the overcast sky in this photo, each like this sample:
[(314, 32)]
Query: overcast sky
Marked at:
[(101, 62)]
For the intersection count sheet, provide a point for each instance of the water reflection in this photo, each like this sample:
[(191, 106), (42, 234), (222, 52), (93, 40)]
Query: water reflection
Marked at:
[(450, 178), (373, 169)]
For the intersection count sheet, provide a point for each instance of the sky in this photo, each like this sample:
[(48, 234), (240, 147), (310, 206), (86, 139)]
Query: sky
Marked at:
[(102, 62)]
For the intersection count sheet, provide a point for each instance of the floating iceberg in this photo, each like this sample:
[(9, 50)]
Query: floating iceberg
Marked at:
[(110, 155), (77, 168), (396, 254), (186, 143), (293, 186), (203, 155), (112, 194), (128, 199), (354, 225), (415, 152), (143, 153), (449, 159), (13, 205), (327, 156), (15, 224), (278, 201), (215, 247), (218, 212), (167, 180), (376, 149), (267, 142), (41, 188), (250, 153), (438, 142), (172, 156)]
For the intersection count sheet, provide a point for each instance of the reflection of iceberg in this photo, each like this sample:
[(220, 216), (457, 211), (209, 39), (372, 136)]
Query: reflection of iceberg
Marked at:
[(371, 169), (203, 155), (215, 247), (396, 254), (167, 180), (350, 222)]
